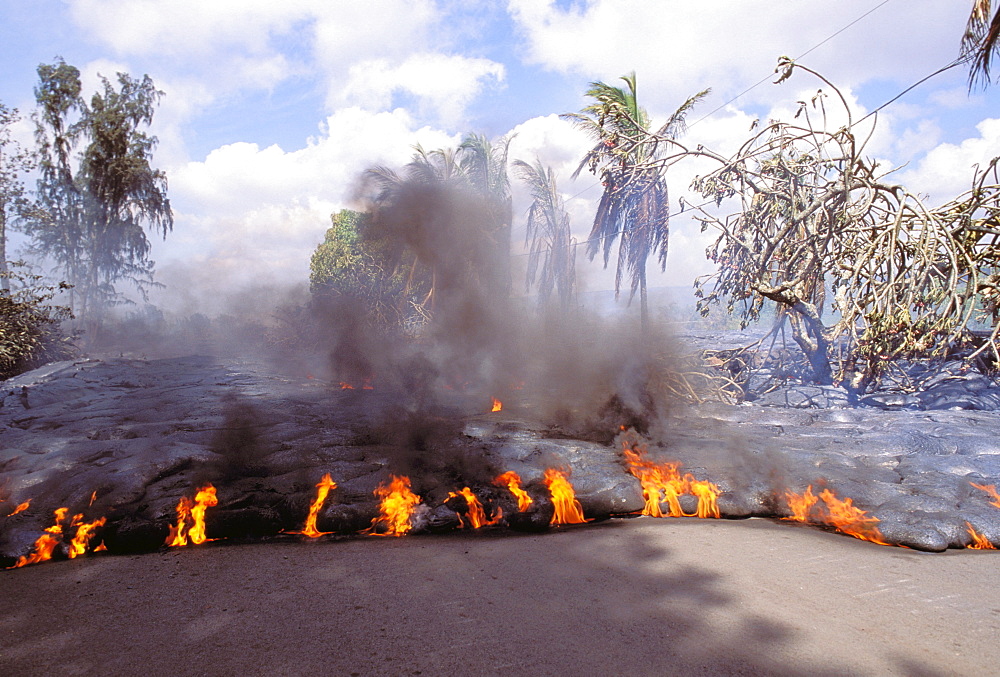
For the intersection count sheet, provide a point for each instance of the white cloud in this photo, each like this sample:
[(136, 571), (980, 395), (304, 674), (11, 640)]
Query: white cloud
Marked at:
[(947, 170), (359, 52), (442, 85), (681, 47), (250, 214), (230, 42)]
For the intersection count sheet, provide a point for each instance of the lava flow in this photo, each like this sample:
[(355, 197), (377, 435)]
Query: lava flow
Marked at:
[(512, 481), (398, 504), (568, 510), (20, 508), (322, 490), (497, 405), (476, 514), (663, 483), (979, 542), (191, 518), (990, 489), (842, 515), (46, 544), (84, 532)]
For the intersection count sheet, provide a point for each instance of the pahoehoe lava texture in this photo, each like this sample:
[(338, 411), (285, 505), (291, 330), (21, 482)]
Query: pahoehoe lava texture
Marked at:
[(125, 439)]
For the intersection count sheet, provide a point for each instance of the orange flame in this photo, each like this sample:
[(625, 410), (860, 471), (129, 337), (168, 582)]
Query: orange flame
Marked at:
[(191, 518), (568, 510), (842, 515), (800, 505), (84, 532), (979, 542), (322, 490), (663, 483), (366, 384), (398, 504), (46, 543), (20, 508), (476, 513), (512, 481), (497, 405), (990, 489)]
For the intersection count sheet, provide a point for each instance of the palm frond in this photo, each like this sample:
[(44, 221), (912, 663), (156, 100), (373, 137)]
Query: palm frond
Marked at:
[(980, 41), (677, 123)]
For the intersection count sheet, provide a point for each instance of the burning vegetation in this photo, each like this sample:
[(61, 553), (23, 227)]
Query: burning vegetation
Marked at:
[(191, 518), (402, 511), (441, 369)]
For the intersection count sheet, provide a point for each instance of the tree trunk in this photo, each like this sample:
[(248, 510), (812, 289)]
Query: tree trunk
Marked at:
[(810, 334), (4, 271), (643, 302)]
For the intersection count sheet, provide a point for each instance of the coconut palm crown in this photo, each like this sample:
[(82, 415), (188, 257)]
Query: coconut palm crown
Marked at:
[(979, 43), (627, 156)]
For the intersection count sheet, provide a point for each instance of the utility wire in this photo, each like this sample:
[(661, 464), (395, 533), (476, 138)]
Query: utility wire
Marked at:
[(958, 61), (768, 77)]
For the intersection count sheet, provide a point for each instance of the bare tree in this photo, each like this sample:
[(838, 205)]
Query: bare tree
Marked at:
[(908, 280)]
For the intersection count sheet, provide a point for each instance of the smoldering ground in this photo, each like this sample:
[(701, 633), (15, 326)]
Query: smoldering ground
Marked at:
[(575, 374), (126, 438)]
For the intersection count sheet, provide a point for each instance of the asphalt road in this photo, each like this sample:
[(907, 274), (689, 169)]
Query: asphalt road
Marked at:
[(624, 597)]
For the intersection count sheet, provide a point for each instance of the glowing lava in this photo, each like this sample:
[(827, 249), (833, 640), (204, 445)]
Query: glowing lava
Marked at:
[(979, 542), (990, 489), (46, 543), (191, 518), (497, 405), (398, 504), (663, 483), (20, 508), (512, 481), (84, 532), (842, 515), (568, 510), (366, 384), (476, 514), (800, 505), (322, 490)]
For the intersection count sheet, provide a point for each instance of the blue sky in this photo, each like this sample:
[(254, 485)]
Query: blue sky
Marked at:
[(273, 109)]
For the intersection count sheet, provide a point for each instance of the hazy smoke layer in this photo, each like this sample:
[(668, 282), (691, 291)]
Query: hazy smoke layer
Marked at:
[(581, 375)]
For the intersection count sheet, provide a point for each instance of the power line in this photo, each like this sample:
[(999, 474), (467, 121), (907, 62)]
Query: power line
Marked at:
[(954, 63), (767, 77)]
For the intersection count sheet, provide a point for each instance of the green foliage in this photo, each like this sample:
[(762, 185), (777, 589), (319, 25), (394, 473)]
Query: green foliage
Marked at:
[(14, 162), (97, 190), (347, 267), (30, 333)]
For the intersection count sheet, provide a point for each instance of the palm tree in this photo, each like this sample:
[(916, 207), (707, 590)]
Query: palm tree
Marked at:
[(423, 207), (979, 44), (635, 204), (548, 236), (484, 164), (402, 204)]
